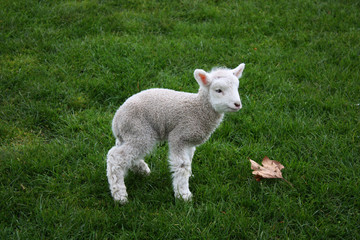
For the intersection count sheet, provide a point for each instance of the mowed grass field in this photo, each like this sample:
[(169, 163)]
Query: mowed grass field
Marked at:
[(66, 66)]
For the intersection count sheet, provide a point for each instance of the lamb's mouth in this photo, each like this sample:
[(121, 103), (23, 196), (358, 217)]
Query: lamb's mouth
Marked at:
[(233, 109)]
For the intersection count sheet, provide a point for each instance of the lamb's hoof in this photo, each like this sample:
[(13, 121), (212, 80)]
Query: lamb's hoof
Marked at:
[(142, 168), (120, 197), (145, 170), (187, 196)]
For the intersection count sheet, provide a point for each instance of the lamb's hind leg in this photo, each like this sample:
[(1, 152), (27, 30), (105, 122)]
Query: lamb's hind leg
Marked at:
[(119, 160), (117, 167)]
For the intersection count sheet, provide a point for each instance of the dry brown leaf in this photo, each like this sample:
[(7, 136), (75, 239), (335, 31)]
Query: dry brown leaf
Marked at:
[(269, 169)]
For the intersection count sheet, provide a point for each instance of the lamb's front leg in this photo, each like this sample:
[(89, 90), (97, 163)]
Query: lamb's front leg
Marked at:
[(180, 165)]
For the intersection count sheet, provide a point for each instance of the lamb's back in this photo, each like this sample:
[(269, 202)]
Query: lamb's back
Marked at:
[(158, 109)]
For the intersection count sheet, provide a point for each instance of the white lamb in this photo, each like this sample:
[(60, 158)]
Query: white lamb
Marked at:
[(185, 120)]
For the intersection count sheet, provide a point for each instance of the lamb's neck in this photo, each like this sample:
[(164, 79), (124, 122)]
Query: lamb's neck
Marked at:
[(203, 97)]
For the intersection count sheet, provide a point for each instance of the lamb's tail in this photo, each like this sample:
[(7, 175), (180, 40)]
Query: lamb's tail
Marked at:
[(118, 141)]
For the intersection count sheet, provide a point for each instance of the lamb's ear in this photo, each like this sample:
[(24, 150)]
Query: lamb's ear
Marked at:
[(239, 70), (202, 77)]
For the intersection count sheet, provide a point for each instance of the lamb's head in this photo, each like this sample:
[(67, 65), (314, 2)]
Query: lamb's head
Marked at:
[(222, 87)]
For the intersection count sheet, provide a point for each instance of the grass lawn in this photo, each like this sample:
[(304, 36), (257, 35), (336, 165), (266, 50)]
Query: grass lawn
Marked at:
[(66, 66)]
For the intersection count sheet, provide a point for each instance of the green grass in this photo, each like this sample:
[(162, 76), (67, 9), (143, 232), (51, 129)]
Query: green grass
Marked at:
[(66, 66)]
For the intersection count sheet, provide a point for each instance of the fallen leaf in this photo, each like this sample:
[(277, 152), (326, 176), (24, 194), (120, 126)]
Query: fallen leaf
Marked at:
[(269, 169)]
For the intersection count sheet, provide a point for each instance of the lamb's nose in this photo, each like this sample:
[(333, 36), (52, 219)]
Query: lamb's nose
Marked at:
[(237, 105)]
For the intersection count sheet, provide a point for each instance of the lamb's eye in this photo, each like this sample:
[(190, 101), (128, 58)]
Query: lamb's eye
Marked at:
[(218, 90)]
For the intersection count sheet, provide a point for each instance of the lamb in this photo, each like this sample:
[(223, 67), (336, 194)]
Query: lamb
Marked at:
[(185, 120)]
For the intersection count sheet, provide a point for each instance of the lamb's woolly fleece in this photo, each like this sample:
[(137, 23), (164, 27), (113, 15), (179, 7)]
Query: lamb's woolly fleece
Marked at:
[(185, 120), (160, 112)]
